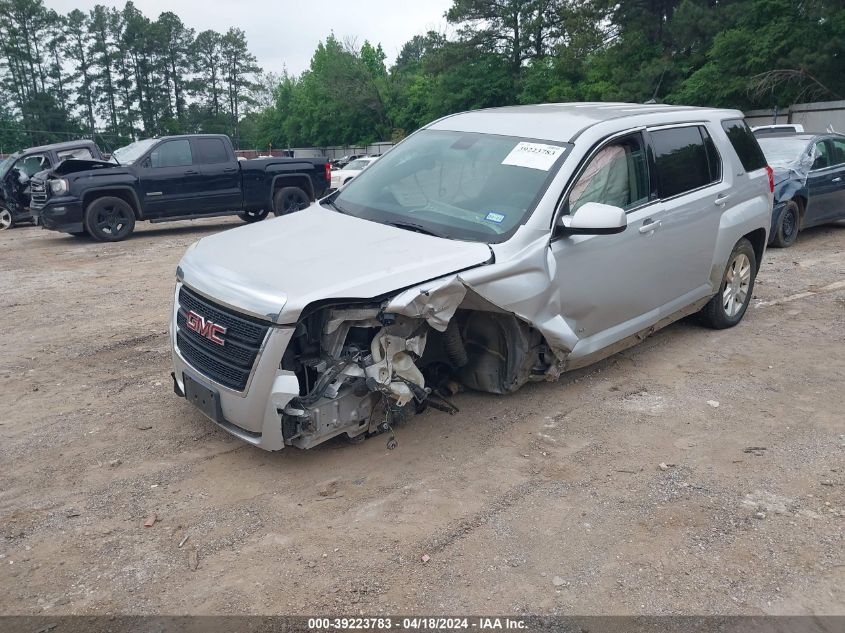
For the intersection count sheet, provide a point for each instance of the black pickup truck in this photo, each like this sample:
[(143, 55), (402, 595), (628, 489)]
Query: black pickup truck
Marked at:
[(172, 178), (17, 170)]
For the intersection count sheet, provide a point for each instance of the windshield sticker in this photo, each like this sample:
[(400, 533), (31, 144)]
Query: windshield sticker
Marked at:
[(492, 216), (534, 156)]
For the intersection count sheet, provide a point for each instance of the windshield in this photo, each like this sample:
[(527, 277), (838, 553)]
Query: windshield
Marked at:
[(132, 152), (357, 165), (783, 151), (6, 163), (461, 185)]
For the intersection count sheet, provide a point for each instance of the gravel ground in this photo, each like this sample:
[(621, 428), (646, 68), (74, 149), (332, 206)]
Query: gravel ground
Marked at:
[(701, 472)]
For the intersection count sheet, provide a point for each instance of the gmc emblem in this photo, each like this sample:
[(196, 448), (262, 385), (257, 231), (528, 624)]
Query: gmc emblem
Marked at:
[(208, 329)]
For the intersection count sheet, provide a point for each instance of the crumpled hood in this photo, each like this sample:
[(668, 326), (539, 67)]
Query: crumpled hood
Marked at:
[(75, 165), (275, 268)]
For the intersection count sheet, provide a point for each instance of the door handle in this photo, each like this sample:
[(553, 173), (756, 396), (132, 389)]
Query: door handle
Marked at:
[(722, 199), (837, 179), (649, 226), (230, 170), (191, 172)]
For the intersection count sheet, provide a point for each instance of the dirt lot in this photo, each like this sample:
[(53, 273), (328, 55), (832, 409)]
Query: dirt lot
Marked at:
[(619, 489)]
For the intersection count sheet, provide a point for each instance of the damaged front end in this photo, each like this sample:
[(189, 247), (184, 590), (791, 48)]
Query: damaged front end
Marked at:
[(364, 367)]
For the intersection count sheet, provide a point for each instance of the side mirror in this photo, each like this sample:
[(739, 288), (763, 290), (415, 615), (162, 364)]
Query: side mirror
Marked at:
[(594, 218)]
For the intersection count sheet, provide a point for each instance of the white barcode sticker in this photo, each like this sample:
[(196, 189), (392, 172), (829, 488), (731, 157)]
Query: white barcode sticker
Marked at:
[(534, 156)]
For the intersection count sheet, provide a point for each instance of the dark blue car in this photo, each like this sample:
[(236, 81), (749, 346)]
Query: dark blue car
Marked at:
[(809, 173)]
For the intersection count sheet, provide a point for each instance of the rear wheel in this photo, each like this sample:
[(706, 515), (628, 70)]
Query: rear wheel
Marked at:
[(289, 200), (788, 226), (109, 219), (253, 216), (6, 221), (728, 306)]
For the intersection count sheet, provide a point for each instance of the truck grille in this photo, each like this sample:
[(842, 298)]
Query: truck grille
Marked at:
[(231, 363), (37, 193)]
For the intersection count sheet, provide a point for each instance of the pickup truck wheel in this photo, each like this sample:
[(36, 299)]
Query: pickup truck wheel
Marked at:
[(252, 216), (6, 221), (788, 226), (289, 200), (109, 219), (728, 306)]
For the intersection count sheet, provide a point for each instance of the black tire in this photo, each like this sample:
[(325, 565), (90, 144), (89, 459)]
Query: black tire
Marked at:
[(724, 310), (7, 221), (253, 216), (788, 227), (289, 200), (109, 219)]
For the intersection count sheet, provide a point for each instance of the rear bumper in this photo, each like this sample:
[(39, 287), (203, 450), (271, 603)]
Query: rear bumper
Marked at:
[(253, 415), (60, 214)]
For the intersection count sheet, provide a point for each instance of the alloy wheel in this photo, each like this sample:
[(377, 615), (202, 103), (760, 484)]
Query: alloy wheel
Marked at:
[(5, 219), (737, 282), (112, 220)]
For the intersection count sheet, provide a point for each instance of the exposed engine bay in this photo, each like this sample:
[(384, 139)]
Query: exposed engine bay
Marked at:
[(364, 368)]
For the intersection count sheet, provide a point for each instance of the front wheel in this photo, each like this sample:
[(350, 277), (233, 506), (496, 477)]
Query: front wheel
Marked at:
[(253, 216), (6, 220), (109, 219), (289, 200), (728, 306), (788, 226)]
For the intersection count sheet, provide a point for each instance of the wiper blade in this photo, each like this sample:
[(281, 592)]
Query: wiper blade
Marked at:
[(334, 206), (417, 228)]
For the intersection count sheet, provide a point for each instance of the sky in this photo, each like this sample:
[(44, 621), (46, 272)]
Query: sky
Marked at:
[(284, 33)]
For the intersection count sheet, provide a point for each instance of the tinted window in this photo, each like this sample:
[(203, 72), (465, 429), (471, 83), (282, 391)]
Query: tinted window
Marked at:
[(211, 151), (616, 175), (681, 159), (745, 144), (172, 154), (822, 156), (838, 153)]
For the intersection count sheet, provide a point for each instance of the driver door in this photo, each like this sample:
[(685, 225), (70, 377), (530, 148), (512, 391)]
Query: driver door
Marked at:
[(609, 284)]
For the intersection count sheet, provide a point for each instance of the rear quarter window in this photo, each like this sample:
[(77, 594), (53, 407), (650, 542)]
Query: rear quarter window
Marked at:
[(745, 144), (683, 159)]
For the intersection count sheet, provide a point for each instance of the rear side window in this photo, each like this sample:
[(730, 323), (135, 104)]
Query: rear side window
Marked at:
[(683, 160), (82, 153), (746, 146), (211, 151)]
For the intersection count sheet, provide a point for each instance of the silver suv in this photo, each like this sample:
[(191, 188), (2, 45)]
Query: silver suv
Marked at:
[(489, 249)]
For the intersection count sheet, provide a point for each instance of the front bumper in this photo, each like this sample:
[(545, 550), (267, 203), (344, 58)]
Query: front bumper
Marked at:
[(253, 415), (60, 214)]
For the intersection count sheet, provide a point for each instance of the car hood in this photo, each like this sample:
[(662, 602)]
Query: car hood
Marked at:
[(274, 269), (74, 165)]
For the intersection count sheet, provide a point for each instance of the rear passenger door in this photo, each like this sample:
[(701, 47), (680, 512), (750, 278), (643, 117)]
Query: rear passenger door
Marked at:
[(220, 174), (693, 195)]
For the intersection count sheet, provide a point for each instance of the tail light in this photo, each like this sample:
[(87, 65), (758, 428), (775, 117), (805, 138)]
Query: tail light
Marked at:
[(329, 173), (771, 173)]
